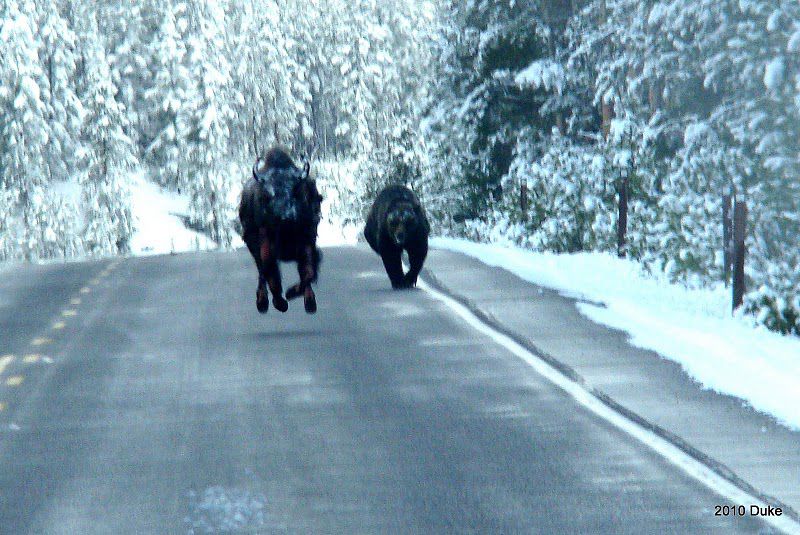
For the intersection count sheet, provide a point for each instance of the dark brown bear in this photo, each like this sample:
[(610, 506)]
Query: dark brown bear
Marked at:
[(395, 223)]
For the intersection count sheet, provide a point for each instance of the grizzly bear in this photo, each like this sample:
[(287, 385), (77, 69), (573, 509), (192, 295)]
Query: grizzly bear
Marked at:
[(396, 222)]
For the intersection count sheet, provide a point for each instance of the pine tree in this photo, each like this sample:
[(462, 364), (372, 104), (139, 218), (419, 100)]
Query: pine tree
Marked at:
[(165, 97), (206, 120), (110, 154), (57, 54), (24, 127)]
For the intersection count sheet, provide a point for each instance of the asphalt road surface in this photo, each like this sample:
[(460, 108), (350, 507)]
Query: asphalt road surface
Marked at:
[(149, 396)]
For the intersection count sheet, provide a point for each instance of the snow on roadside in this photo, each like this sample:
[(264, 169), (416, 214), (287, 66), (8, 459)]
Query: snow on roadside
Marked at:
[(158, 228), (691, 327), (332, 231)]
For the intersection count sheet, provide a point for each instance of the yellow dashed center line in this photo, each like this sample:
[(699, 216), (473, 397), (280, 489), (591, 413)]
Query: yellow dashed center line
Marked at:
[(75, 301), (57, 326), (69, 313), (41, 341), (5, 360), (31, 359), (85, 290), (15, 380)]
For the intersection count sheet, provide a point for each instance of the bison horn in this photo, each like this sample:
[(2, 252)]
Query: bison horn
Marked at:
[(258, 176)]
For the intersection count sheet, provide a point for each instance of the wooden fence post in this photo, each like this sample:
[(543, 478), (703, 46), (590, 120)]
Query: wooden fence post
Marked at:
[(739, 225), (622, 217), (726, 239)]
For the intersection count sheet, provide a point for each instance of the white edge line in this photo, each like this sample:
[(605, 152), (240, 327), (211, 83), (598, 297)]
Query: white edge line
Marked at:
[(661, 446)]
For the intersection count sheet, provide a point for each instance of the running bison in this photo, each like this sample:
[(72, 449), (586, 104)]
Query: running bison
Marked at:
[(395, 223), (279, 212)]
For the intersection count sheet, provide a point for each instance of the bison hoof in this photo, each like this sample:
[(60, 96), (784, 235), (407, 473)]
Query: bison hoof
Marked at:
[(293, 292), (262, 304), (310, 301), (280, 304)]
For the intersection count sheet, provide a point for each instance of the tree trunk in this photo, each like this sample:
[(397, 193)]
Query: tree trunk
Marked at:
[(607, 111), (560, 123), (727, 223), (739, 226), (654, 93), (523, 201), (622, 219)]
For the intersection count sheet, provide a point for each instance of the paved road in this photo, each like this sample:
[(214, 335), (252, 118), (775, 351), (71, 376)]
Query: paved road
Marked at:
[(163, 403)]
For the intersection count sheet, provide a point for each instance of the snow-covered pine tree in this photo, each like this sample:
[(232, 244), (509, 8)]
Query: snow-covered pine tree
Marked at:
[(206, 119), (128, 30), (476, 106), (24, 127), (57, 54), (167, 93), (110, 154), (270, 95)]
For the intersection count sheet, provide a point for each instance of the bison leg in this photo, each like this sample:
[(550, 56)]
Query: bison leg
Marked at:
[(262, 302), (254, 246), (294, 291), (307, 266), (309, 300), (271, 274)]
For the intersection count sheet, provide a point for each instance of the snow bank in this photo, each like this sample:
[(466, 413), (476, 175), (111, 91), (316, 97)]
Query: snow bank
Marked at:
[(691, 327), (158, 224)]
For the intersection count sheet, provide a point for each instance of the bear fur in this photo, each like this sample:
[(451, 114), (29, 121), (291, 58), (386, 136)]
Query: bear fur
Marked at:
[(397, 222)]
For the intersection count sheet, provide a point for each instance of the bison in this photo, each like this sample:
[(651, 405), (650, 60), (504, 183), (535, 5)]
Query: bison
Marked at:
[(279, 211)]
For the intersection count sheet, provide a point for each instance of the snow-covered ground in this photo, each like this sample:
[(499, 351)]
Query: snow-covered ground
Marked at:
[(333, 233), (330, 177), (692, 327), (158, 228)]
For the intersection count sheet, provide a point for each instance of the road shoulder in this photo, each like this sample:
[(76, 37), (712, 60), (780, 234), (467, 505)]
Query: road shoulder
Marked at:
[(746, 447)]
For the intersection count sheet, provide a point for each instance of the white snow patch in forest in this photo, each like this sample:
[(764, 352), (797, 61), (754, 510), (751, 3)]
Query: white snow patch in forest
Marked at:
[(773, 74), (158, 228), (689, 326), (333, 233), (542, 73), (69, 191), (331, 178), (794, 42), (332, 230)]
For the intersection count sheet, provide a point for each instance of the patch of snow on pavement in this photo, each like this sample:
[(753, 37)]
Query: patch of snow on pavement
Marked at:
[(158, 229), (691, 327)]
